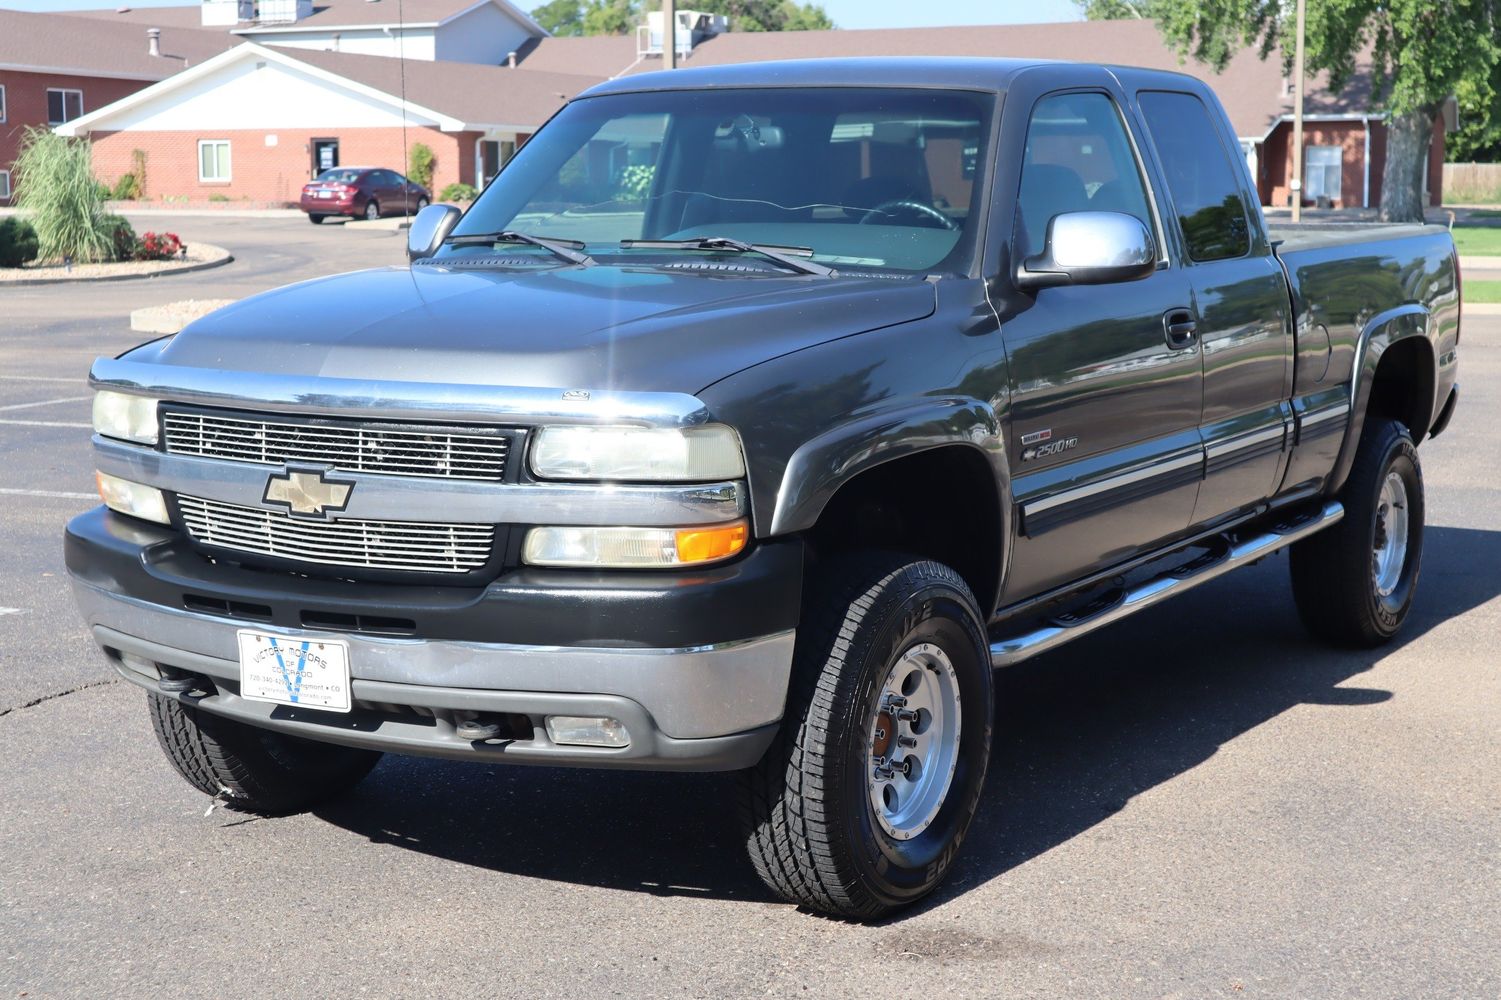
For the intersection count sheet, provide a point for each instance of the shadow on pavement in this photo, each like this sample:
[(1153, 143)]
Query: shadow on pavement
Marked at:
[(1079, 732)]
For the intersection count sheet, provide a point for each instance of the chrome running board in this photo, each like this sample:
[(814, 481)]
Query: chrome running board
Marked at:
[(1008, 651)]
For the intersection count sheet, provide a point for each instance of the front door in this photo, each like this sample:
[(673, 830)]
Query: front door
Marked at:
[(1105, 451), (325, 155), (1242, 305)]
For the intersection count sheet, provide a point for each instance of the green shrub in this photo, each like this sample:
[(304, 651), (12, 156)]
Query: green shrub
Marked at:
[(60, 196), (18, 243), (217, 196), (127, 188), (458, 192), (421, 164), (122, 237)]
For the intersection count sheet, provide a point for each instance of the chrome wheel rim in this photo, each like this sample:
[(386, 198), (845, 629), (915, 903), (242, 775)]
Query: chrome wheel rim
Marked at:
[(371, 212), (913, 745), (1389, 550)]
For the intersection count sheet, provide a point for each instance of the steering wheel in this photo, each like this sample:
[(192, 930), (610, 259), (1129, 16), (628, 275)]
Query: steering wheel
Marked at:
[(906, 204)]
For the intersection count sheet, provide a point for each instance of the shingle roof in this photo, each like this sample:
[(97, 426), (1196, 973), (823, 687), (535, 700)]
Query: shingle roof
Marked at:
[(1250, 88), (326, 14), (45, 42), (470, 92)]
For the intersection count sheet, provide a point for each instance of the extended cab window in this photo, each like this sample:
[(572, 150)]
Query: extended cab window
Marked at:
[(1201, 177), (868, 177), (1077, 159)]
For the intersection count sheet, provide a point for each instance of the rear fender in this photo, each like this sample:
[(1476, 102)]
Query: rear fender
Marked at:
[(1385, 330)]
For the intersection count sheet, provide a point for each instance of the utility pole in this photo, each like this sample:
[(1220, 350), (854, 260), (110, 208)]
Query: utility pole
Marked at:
[(1297, 179), (669, 35)]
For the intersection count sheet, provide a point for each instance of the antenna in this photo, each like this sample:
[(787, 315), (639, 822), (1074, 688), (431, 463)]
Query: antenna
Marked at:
[(401, 56)]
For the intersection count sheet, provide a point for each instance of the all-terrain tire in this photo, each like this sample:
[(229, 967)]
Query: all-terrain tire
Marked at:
[(806, 811), (253, 770), (1335, 572)]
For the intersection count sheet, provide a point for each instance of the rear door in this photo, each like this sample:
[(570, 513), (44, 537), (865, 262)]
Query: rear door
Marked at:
[(1105, 451), (1240, 302)]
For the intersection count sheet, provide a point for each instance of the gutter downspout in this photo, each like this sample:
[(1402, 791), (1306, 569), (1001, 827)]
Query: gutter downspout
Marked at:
[(1365, 195)]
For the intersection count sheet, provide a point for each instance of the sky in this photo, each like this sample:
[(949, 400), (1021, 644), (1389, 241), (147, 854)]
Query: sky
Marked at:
[(846, 13)]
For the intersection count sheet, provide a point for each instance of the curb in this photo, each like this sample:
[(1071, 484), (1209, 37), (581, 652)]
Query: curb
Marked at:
[(1480, 263), (1480, 309), (203, 265)]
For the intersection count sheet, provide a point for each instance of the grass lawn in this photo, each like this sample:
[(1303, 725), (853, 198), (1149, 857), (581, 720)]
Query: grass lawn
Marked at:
[(1482, 291), (1478, 241)]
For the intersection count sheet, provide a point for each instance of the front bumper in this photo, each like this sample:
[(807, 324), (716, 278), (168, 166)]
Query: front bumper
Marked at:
[(701, 704)]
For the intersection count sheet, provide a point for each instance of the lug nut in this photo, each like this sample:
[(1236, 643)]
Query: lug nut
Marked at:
[(906, 741)]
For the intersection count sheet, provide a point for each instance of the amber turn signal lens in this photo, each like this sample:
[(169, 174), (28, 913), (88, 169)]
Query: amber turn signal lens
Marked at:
[(706, 544)]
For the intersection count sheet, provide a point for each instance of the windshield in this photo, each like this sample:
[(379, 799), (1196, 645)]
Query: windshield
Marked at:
[(339, 176), (863, 177)]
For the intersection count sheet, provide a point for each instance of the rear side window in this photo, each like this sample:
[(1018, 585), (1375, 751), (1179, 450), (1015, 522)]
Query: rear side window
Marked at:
[(1201, 176), (1077, 159)]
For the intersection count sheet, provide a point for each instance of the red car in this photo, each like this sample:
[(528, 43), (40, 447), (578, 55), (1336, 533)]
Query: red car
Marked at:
[(361, 193)]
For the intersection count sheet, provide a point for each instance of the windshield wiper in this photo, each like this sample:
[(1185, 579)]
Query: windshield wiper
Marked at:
[(566, 249), (778, 254)]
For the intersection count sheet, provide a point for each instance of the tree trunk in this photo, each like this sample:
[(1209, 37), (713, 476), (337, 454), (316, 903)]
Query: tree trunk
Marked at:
[(1407, 138)]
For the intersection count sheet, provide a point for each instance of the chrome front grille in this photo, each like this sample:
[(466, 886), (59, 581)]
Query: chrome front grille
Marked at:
[(444, 452), (414, 546)]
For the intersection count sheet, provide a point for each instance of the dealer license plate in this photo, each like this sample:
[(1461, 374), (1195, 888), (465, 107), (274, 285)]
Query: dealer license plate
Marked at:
[(312, 673), (325, 194)]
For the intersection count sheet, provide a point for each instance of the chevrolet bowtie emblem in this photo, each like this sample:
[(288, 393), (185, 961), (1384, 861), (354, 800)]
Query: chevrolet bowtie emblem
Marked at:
[(307, 493)]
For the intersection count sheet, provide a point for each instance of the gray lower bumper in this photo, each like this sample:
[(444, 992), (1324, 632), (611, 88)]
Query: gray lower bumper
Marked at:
[(705, 708)]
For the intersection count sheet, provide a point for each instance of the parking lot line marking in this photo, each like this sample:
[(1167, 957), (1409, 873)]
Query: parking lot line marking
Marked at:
[(41, 378), (46, 423), (45, 402), (9, 611), (54, 494)]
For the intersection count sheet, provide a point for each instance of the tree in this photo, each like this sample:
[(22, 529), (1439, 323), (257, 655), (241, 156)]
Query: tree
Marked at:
[(1423, 51), (619, 17), (561, 17), (768, 15)]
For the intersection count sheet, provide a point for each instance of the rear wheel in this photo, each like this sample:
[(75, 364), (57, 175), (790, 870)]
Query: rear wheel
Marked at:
[(861, 804), (1355, 582), (254, 770), (316, 220), (372, 209)]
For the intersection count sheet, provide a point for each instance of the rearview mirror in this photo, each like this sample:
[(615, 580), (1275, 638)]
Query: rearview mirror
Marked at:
[(1090, 248), (429, 229)]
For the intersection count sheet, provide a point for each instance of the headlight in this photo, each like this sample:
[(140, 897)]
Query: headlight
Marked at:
[(131, 418), (134, 499), (645, 454), (634, 548)]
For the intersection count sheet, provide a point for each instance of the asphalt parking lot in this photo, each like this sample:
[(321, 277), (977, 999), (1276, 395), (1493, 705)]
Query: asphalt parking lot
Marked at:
[(1199, 802)]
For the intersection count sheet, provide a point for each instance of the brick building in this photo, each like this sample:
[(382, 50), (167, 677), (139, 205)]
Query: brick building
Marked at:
[(55, 69), (256, 122)]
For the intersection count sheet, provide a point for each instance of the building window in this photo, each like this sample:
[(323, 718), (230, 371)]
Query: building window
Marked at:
[(213, 160), (63, 105), (1322, 172), (4, 185), (2, 104)]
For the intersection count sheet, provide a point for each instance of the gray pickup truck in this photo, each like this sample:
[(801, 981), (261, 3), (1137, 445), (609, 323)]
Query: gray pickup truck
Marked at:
[(746, 422)]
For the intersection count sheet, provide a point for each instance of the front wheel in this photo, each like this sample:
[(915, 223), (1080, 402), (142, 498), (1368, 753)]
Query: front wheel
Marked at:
[(421, 204), (255, 770), (861, 804), (1354, 583)]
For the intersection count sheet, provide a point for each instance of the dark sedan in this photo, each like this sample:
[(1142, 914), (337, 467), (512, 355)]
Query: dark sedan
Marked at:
[(361, 193)]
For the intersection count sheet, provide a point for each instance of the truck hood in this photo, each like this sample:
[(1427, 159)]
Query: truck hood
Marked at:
[(601, 327)]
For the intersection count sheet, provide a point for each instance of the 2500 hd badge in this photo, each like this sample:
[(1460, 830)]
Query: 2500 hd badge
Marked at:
[(750, 466)]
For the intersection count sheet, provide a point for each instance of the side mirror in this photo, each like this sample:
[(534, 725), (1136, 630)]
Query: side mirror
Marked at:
[(429, 229), (1090, 248)]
